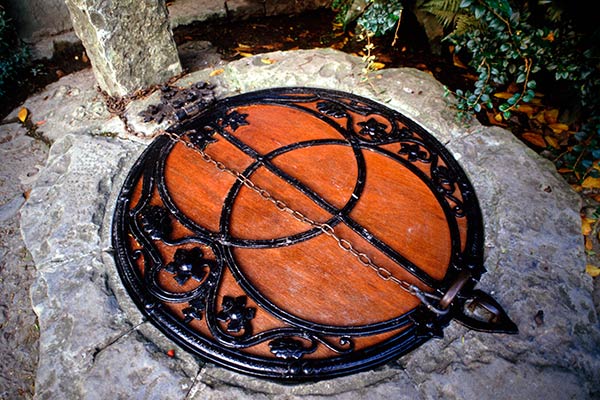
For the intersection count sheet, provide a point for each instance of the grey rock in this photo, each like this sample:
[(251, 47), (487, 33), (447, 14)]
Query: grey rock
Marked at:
[(35, 19), (199, 54), (185, 12), (118, 53), (21, 156), (71, 105), (534, 258)]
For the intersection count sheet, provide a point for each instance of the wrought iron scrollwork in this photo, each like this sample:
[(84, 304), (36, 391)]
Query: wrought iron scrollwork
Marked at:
[(175, 266)]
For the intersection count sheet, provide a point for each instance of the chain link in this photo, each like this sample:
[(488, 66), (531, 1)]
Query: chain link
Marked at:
[(363, 258), (118, 106)]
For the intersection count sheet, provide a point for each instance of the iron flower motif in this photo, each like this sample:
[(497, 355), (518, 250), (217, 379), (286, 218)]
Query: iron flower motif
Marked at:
[(373, 129), (235, 313), (413, 151), (188, 264), (202, 138)]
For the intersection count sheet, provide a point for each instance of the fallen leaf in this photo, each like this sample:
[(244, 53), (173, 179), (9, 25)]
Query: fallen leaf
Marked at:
[(457, 63), (526, 109), (552, 142), (216, 72), (23, 114), (243, 46), (558, 128), (503, 95), (512, 87), (539, 117), (377, 66), (59, 73), (534, 138), (551, 115), (268, 61), (171, 353), (587, 225), (41, 122), (591, 183), (588, 244), (498, 117), (243, 54), (592, 270), (85, 58), (565, 170)]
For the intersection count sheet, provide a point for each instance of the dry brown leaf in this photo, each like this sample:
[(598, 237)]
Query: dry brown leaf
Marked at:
[(588, 244), (495, 119), (457, 63), (216, 72), (377, 66), (470, 77), (592, 270), (587, 225), (539, 117), (558, 128), (268, 61), (565, 170), (23, 114), (591, 183), (551, 115), (85, 58), (552, 141), (526, 109), (503, 95), (535, 139)]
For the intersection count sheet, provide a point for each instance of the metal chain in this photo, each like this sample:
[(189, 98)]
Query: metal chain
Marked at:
[(118, 106), (364, 259)]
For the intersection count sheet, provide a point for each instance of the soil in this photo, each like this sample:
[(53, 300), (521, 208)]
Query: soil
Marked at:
[(235, 39)]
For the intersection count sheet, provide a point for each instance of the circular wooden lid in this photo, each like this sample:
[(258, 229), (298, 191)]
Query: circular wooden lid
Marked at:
[(232, 277)]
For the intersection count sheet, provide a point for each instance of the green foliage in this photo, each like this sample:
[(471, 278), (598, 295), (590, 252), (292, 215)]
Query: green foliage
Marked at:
[(513, 47), (380, 17), (374, 16), (518, 43), (14, 57)]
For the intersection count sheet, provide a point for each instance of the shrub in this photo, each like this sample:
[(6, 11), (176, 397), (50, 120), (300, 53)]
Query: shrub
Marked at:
[(516, 47), (14, 56)]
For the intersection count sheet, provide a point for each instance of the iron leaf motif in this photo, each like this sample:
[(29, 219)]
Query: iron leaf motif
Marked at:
[(332, 109), (156, 222), (234, 120), (287, 348), (235, 313), (194, 311), (373, 129), (413, 151), (189, 264)]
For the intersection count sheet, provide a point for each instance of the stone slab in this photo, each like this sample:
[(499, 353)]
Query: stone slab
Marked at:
[(534, 257), (22, 159)]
